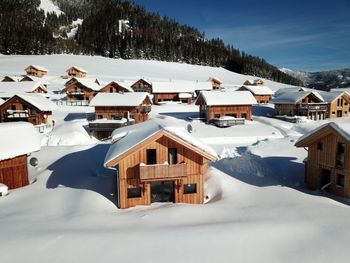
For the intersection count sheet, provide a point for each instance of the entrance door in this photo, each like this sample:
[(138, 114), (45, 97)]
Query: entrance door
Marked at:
[(325, 179), (339, 113), (162, 192)]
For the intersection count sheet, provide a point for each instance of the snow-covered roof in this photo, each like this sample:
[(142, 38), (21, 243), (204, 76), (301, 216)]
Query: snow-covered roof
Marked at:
[(342, 128), (259, 90), (119, 99), (20, 87), (136, 134), (77, 68), (331, 96), (18, 138), (173, 87), (89, 83), (290, 89), (13, 78), (40, 68), (144, 79), (292, 97), (124, 84), (203, 85), (38, 101), (36, 79), (217, 98), (1, 101)]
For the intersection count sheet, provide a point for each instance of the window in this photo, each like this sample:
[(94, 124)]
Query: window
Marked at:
[(244, 115), (320, 146), (340, 180), (333, 112), (216, 115), (172, 156), (134, 192), (340, 155), (190, 188), (151, 156), (99, 117), (13, 107), (111, 90)]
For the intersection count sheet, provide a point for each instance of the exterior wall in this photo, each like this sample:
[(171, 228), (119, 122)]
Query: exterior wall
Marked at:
[(108, 112), (286, 109), (129, 176), (14, 172), (262, 99), (33, 115), (34, 72), (142, 86), (76, 73), (77, 91), (7, 79), (326, 159), (159, 97), (113, 88), (216, 85), (339, 108), (209, 112)]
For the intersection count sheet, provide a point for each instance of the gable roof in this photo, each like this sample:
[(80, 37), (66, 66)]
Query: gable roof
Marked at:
[(173, 87), (134, 135), (40, 68), (343, 129), (77, 68), (292, 97), (258, 90), (88, 83), (18, 138), (20, 87), (119, 99), (38, 101), (203, 85), (333, 95), (142, 79), (13, 78), (217, 98), (125, 85), (36, 79)]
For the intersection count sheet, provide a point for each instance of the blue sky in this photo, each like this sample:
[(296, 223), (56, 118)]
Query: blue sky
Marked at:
[(305, 35)]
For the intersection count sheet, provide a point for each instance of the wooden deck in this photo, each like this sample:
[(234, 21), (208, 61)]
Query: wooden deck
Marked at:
[(162, 172)]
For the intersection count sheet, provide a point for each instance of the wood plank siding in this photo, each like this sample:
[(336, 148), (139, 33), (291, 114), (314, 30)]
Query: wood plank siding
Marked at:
[(35, 72), (14, 172), (142, 86), (237, 111), (77, 91), (160, 97), (339, 107)]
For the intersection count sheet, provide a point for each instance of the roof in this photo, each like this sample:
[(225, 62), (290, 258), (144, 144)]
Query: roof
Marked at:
[(131, 136), (331, 96), (292, 97), (77, 68), (40, 68), (119, 99), (217, 98), (144, 79), (203, 85), (259, 90), (20, 87), (14, 78), (123, 84), (38, 101), (37, 79), (343, 129), (18, 138), (1, 101), (173, 87), (89, 83), (289, 89), (253, 81)]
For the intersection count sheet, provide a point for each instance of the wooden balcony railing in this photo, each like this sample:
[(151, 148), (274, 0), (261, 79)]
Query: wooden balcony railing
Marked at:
[(162, 171), (313, 106)]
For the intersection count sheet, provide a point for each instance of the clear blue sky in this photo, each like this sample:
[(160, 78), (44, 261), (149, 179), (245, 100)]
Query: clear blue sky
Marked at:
[(306, 35)]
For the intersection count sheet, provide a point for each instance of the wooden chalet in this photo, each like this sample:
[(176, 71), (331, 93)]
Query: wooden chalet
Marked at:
[(327, 166), (254, 82), (8, 89), (37, 71), (74, 80), (17, 141), (114, 110), (9, 78), (142, 85), (75, 71), (116, 87), (200, 86), (338, 103), (301, 103), (32, 108), (154, 163), (181, 91), (216, 83), (214, 105), (81, 89), (262, 94)]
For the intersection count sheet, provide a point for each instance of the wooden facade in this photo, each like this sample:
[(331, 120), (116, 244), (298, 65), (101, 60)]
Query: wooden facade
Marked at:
[(216, 83), (138, 114), (328, 162), (161, 97), (162, 168), (16, 109), (78, 91), (255, 82), (114, 87), (209, 113), (36, 71), (76, 72), (142, 86), (14, 172), (339, 107)]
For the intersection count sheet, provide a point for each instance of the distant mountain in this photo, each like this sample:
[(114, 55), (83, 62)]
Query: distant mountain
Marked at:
[(118, 29)]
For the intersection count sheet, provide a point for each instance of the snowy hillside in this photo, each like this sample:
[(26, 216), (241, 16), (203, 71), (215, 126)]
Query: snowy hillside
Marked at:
[(49, 7)]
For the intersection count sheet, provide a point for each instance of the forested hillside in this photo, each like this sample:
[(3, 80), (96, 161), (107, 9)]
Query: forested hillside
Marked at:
[(103, 32)]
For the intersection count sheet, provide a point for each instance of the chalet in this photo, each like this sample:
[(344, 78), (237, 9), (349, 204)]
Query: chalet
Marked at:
[(37, 71), (327, 166), (156, 163), (262, 94), (116, 87), (254, 82), (202, 86), (182, 91), (114, 110), (216, 83), (81, 89), (9, 78), (214, 105), (17, 141), (74, 80), (35, 79), (142, 85), (76, 72), (8, 89), (301, 103), (338, 103)]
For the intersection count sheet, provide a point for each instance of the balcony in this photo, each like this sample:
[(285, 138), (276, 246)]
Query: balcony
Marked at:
[(313, 106), (17, 114), (162, 172), (145, 109)]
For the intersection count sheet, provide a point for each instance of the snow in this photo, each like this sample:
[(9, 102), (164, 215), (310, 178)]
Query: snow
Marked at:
[(292, 97), (19, 87), (185, 95), (259, 90), (38, 101), (203, 85), (17, 139), (77, 68), (216, 98), (173, 87), (14, 78), (89, 83), (75, 25), (49, 7), (3, 190), (124, 84), (119, 99), (40, 68), (1, 101)]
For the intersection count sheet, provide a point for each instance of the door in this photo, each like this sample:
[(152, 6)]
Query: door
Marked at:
[(325, 179), (339, 113), (162, 192)]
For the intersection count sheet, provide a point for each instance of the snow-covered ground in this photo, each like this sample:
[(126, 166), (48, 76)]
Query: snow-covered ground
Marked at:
[(258, 208)]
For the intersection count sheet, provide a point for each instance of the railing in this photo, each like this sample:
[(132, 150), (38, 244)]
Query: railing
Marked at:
[(162, 171), (72, 102), (229, 122), (146, 109), (76, 93), (17, 114), (313, 106)]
